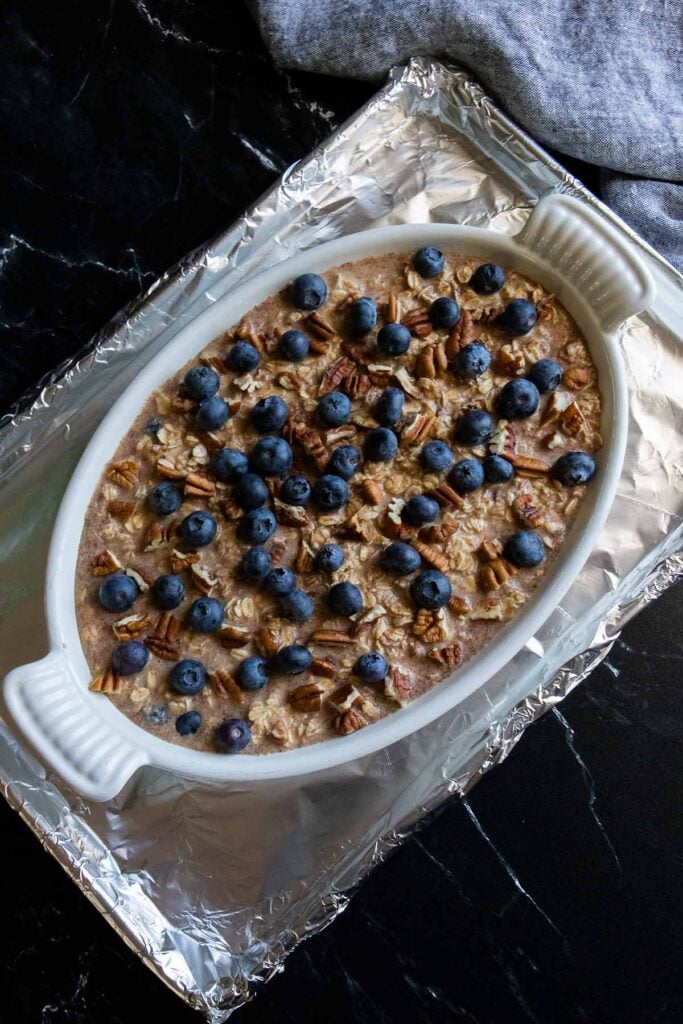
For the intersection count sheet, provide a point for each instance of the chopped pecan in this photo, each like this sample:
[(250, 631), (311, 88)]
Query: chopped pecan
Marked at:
[(165, 468), (344, 697), (398, 686), (391, 310), (510, 361), (244, 329), (223, 685), (357, 384), (431, 362), (307, 697), (429, 626), (304, 559), (290, 515), (486, 315), (182, 560), (348, 722), (234, 405), (528, 466), (202, 579), (373, 492), (343, 433), (215, 362), (461, 334), (198, 485), (527, 511), (438, 533), (458, 605), (319, 327), (323, 667), (355, 350), (290, 381), (274, 485), (330, 636), (544, 306), (558, 402), (397, 530), (279, 731), (124, 473), (571, 419), (233, 637), (449, 655), (269, 640), (277, 550), (318, 346), (445, 495), (182, 404), (164, 649), (230, 509), (431, 555), (420, 428), (105, 563), (496, 573), (154, 536), (335, 374), (576, 377), (418, 322), (122, 510), (167, 627), (503, 440), (311, 442), (489, 550), (131, 626), (106, 682), (141, 576)]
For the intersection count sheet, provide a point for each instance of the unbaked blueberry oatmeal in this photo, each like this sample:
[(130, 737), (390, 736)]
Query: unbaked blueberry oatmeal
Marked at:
[(337, 503)]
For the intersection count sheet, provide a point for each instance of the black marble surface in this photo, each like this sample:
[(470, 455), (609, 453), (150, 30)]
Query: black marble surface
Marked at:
[(132, 130)]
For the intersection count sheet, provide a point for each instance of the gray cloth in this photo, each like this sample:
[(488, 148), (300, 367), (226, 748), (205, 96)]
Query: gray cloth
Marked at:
[(601, 80)]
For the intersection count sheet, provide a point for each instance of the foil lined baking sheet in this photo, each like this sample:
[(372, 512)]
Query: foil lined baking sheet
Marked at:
[(213, 913)]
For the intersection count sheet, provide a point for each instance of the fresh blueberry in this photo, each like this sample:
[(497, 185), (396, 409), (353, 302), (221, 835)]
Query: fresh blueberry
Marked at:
[(362, 316), (487, 279), (118, 592), (229, 463), (233, 735), (401, 559), (431, 590), (518, 317), (421, 510), (498, 470), (574, 468), (269, 415), (345, 599), (518, 400), (252, 673), (257, 526), (344, 461), (546, 374), (334, 409), (212, 414), (296, 606), (436, 456), (165, 499), (255, 564), (473, 360), (330, 492), (206, 615), (188, 723), (329, 558), (156, 714), (188, 677), (296, 490), (153, 426), (168, 592), (250, 491), (474, 427), (129, 657), (279, 581), (293, 659), (294, 346), (389, 406), (201, 382), (271, 456), (428, 261), (372, 667), (198, 529), (525, 549), (394, 339), (309, 291), (243, 357), (466, 476), (380, 445), (444, 313)]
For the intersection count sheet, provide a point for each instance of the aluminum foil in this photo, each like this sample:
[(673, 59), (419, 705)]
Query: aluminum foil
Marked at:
[(211, 909)]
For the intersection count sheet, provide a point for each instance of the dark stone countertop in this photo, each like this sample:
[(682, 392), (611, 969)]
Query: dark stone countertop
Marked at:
[(131, 132)]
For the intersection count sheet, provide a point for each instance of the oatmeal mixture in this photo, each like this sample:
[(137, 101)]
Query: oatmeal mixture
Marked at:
[(428, 427)]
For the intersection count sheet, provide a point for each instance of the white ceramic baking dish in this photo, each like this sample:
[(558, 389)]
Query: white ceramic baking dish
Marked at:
[(91, 744)]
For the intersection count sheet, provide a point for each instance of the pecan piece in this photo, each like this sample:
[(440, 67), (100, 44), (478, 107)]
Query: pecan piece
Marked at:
[(319, 327), (431, 362), (420, 428), (230, 509), (223, 685), (198, 485), (167, 627), (449, 655), (571, 419), (311, 442), (418, 322), (330, 636), (458, 605), (461, 334), (164, 649), (445, 495), (233, 637), (528, 466), (122, 510), (357, 351), (335, 375), (131, 626), (348, 722), (157, 535), (510, 361), (318, 346), (391, 310), (429, 626), (106, 682), (489, 550), (202, 579), (269, 640), (398, 686), (182, 560), (487, 315), (438, 533), (496, 573), (215, 362), (165, 468), (527, 511), (398, 530), (344, 697), (357, 385), (141, 577), (105, 563), (373, 492), (124, 473), (576, 377), (307, 697), (431, 555), (304, 559), (323, 667)]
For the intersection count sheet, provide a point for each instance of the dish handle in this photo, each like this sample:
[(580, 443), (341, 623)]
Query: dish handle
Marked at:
[(56, 716), (592, 254)]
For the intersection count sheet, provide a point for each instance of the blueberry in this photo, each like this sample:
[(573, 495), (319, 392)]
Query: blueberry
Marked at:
[(309, 291), (250, 491), (518, 317), (252, 673), (296, 490), (371, 667), (421, 510), (444, 313), (546, 374), (518, 400), (168, 592), (255, 564), (198, 529), (233, 735), (380, 445), (437, 456), (498, 470), (362, 316), (129, 657), (334, 409), (165, 499), (431, 590), (118, 592), (188, 677), (466, 476), (487, 279), (389, 406), (206, 615), (243, 357), (201, 382), (296, 606), (271, 456), (394, 339), (293, 659), (428, 261), (473, 360), (269, 415), (212, 414), (156, 714), (474, 427), (401, 559), (153, 426), (344, 461), (227, 464), (330, 492), (525, 549), (329, 558), (294, 346), (574, 468), (188, 723), (345, 599), (257, 526), (279, 581)]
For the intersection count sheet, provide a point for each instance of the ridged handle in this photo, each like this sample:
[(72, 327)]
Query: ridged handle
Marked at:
[(593, 255), (54, 713)]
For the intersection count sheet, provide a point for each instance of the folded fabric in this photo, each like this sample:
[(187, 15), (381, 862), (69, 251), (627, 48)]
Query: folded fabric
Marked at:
[(601, 80)]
